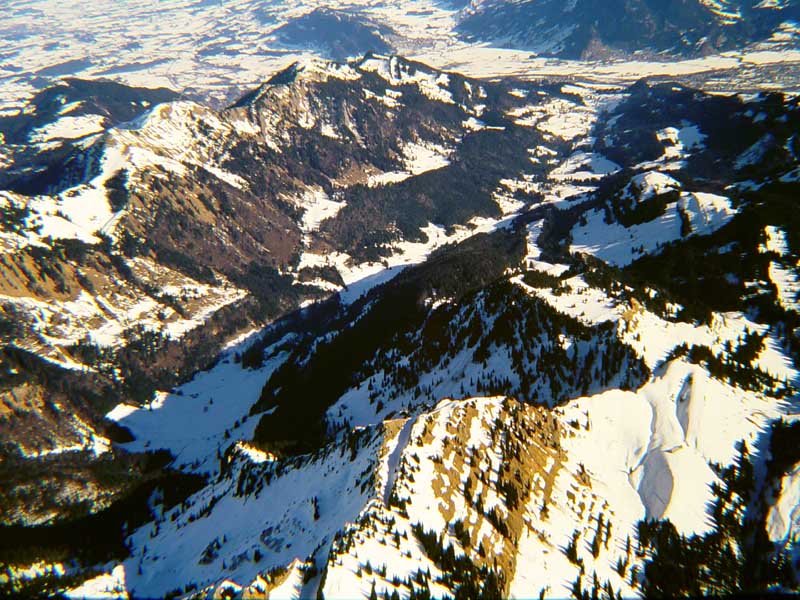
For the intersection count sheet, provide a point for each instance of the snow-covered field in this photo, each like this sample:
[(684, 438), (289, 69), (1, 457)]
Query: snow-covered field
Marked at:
[(204, 414), (783, 271), (418, 158), (69, 127), (200, 420), (107, 585), (214, 49), (723, 71), (658, 443), (783, 522), (653, 337), (202, 47)]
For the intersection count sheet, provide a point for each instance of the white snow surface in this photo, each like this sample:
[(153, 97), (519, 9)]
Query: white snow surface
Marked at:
[(783, 270), (214, 48), (278, 520), (787, 283), (620, 245), (361, 277), (783, 521), (69, 127), (418, 158), (654, 337), (584, 166), (754, 153), (107, 585), (532, 260), (192, 422), (656, 445), (433, 85), (775, 241)]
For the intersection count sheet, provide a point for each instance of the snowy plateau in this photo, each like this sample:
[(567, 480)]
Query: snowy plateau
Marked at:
[(421, 299)]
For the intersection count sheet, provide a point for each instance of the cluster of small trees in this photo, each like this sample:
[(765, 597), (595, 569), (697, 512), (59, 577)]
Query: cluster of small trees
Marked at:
[(735, 367), (13, 217), (126, 366), (597, 590), (459, 573)]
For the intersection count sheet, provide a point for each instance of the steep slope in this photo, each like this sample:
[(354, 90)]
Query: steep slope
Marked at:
[(476, 494), (457, 349)]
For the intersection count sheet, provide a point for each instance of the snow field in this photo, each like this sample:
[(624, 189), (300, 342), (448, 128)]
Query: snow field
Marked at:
[(620, 245)]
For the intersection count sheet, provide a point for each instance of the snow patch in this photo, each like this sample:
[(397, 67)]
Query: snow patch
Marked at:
[(68, 128), (783, 520)]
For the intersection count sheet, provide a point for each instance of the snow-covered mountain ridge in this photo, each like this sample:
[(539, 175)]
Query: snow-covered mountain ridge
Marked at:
[(276, 199), (438, 434)]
